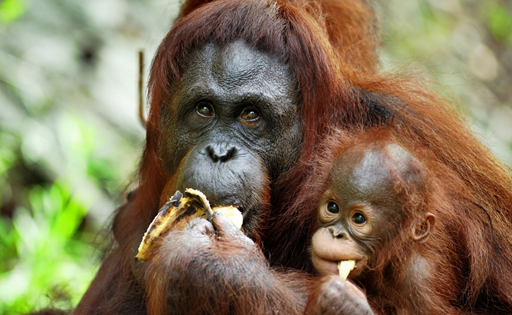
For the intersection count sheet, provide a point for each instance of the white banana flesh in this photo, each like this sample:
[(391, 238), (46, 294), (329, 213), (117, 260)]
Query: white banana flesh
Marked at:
[(345, 267), (232, 213)]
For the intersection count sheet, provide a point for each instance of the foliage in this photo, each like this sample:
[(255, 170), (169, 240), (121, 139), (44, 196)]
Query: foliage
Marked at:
[(45, 252), (499, 20), (70, 139), (11, 10)]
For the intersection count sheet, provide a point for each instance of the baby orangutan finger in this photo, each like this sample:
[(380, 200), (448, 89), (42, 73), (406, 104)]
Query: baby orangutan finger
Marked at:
[(335, 296)]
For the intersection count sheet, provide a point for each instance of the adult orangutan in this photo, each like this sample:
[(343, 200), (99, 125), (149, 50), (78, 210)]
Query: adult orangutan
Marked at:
[(395, 211), (241, 91)]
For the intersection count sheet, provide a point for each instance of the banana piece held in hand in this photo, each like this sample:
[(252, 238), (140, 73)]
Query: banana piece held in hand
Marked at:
[(345, 267), (232, 213), (177, 212)]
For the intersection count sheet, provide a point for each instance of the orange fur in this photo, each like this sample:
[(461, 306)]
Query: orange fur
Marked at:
[(331, 49)]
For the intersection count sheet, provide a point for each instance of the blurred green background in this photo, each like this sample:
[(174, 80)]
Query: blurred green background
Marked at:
[(70, 138)]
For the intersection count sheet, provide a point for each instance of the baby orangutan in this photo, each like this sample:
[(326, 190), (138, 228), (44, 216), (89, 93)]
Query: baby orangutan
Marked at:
[(375, 226), (365, 205)]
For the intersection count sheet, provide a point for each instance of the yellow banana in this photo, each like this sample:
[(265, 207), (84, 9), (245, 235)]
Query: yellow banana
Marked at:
[(345, 267), (177, 212)]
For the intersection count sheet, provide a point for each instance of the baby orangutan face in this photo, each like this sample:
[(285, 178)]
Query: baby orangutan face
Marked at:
[(364, 208)]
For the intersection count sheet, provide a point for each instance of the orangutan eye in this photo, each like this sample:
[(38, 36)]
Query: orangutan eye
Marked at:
[(333, 208), (205, 109), (358, 218), (250, 114)]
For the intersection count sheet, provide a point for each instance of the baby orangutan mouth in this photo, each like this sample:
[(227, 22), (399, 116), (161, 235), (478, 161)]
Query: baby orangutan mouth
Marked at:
[(345, 267)]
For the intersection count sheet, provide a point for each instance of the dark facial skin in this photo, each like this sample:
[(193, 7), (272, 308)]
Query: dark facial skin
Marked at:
[(361, 209), (231, 127), (233, 124)]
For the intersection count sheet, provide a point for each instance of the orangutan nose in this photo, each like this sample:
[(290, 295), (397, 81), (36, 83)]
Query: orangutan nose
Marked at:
[(337, 231), (220, 152)]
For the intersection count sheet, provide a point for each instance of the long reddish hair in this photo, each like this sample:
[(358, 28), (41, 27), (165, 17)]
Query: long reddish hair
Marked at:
[(477, 183), (330, 49), (293, 32)]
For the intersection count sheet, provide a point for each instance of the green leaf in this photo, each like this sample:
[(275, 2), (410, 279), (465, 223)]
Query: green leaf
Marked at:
[(499, 21), (10, 10)]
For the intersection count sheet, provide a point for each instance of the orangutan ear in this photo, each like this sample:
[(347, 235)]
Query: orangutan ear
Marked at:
[(421, 231)]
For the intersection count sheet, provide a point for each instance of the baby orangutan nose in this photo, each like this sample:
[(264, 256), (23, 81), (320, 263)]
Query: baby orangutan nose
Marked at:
[(337, 232)]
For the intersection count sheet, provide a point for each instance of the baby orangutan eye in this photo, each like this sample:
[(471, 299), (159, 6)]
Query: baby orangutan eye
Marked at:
[(358, 218), (333, 208)]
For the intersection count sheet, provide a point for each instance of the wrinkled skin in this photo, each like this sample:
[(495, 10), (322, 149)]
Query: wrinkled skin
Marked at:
[(232, 126), (357, 213)]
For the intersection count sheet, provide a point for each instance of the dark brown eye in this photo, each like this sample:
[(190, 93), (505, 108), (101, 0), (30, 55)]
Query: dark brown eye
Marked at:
[(250, 114), (333, 208), (358, 218), (205, 109)]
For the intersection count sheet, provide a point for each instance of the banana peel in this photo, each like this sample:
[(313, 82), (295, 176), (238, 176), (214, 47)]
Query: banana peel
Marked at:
[(176, 213)]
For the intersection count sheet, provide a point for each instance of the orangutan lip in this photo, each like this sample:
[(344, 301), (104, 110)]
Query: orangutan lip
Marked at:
[(356, 260)]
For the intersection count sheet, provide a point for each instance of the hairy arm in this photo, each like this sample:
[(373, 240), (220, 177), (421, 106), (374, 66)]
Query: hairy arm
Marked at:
[(213, 268)]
